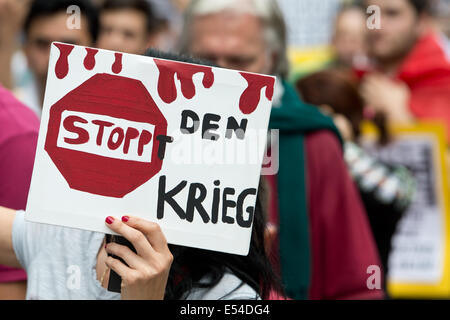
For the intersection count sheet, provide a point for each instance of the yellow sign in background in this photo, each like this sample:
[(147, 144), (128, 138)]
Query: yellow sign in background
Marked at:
[(402, 287)]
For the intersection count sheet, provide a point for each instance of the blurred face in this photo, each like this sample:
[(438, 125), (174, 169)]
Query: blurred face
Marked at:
[(233, 41), (123, 30), (350, 38), (400, 29), (46, 29)]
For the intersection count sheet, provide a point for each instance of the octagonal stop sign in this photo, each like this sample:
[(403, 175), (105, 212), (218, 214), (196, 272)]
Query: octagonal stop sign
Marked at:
[(102, 136)]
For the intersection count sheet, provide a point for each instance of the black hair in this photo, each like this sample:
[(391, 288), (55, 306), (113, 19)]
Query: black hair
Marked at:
[(42, 8), (153, 23), (196, 268), (155, 53), (421, 6)]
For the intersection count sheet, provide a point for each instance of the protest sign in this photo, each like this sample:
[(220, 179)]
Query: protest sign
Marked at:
[(419, 264), (175, 143)]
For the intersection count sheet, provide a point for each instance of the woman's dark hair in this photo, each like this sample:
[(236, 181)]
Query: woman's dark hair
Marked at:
[(43, 8), (196, 268), (338, 89), (421, 6), (191, 266)]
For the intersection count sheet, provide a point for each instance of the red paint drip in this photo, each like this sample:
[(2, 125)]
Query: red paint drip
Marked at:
[(89, 60), (117, 65), (185, 72), (250, 97), (62, 65)]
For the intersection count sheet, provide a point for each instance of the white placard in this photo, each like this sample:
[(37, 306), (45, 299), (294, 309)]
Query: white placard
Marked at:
[(171, 142)]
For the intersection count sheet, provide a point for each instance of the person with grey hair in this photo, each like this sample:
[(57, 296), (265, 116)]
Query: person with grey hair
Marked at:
[(322, 243), (274, 29)]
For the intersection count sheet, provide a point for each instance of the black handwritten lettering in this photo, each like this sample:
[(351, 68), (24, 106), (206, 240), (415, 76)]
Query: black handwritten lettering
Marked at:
[(239, 129), (164, 197), (208, 126), (239, 209), (188, 114), (195, 202), (162, 145)]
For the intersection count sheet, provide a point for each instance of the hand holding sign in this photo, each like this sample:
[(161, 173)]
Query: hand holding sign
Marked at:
[(145, 274)]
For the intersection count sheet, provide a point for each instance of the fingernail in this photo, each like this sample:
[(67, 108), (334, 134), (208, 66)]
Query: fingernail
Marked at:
[(109, 220), (125, 218)]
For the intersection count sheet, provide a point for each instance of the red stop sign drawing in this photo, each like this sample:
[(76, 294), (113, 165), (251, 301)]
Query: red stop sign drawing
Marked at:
[(117, 117)]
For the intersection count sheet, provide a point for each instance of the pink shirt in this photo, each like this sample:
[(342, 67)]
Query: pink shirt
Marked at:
[(18, 138)]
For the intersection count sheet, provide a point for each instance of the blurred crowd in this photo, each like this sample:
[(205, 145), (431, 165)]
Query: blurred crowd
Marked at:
[(333, 208)]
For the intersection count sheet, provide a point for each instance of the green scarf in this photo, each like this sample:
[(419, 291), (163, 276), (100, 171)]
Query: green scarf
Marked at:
[(295, 119)]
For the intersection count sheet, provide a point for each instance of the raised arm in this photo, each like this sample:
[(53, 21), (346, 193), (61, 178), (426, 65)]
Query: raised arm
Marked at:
[(7, 254)]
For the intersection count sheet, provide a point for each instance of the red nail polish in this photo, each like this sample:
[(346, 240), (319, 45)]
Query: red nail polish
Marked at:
[(125, 218), (109, 220)]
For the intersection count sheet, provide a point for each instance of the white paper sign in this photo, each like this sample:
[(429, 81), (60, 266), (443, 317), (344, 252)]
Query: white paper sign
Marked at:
[(175, 143)]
